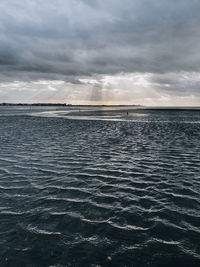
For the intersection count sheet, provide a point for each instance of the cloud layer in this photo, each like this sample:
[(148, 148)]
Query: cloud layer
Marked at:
[(77, 44)]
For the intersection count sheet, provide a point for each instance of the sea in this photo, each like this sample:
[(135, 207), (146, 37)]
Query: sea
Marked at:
[(99, 186)]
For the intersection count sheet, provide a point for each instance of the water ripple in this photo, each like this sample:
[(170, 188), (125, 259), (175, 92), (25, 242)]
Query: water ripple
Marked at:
[(100, 193)]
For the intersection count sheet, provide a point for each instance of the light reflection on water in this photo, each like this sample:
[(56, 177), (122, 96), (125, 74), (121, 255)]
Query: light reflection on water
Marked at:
[(121, 114)]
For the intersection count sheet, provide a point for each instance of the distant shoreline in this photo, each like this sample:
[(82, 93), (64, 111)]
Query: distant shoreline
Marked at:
[(161, 108), (64, 105)]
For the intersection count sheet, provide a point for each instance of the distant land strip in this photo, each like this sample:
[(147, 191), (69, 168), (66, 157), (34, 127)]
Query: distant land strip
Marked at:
[(62, 104)]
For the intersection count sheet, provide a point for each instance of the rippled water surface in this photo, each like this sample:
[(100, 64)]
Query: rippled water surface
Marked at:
[(99, 187)]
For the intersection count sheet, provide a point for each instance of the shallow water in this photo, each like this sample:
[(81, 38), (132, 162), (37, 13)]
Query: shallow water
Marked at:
[(99, 188)]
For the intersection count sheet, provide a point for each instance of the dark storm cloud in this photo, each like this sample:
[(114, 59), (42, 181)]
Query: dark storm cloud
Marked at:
[(68, 39)]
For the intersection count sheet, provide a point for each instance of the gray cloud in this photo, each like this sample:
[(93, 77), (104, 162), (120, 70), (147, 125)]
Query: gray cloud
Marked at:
[(70, 39)]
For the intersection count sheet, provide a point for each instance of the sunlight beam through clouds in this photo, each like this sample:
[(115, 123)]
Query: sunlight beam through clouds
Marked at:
[(131, 88)]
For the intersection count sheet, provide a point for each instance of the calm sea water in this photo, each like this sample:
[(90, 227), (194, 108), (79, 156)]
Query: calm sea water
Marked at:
[(99, 187)]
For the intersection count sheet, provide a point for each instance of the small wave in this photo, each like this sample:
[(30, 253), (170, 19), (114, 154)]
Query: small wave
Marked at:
[(35, 230)]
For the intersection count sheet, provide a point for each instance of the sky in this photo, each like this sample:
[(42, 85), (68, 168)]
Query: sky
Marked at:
[(100, 51)]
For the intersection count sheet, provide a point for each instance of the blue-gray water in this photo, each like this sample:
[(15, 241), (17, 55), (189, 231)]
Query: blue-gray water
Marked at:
[(99, 188)]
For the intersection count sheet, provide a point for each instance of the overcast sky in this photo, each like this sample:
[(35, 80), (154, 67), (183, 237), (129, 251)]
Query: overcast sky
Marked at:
[(100, 51)]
